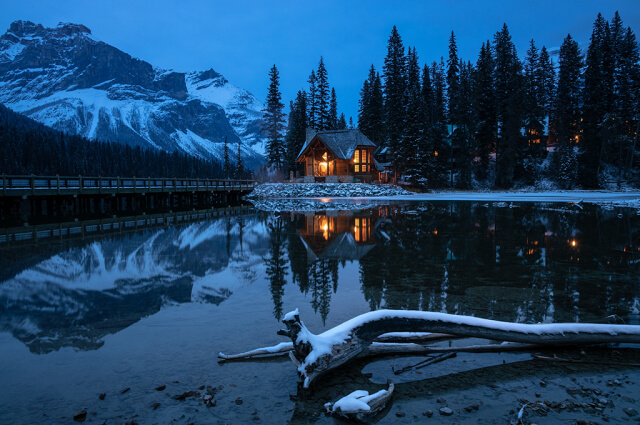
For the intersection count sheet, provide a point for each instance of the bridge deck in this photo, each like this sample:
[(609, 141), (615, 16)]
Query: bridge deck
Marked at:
[(13, 186)]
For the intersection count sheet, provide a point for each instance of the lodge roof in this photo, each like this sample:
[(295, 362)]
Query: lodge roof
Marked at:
[(342, 143)]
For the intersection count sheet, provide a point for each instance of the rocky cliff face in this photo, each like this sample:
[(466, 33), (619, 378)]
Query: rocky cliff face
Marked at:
[(67, 79)]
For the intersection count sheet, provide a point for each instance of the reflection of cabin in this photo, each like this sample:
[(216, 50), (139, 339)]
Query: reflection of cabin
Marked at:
[(338, 236), (338, 156)]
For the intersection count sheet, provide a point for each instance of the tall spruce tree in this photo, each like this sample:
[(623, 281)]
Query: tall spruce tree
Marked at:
[(312, 101), (534, 109), (322, 81), (413, 125), (297, 132), (333, 111), (439, 134), (371, 111), (509, 99), (466, 126), (547, 86), (426, 149), (394, 69), (485, 107), (239, 163), (629, 100), (273, 118), (226, 167), (342, 122), (567, 109), (454, 101)]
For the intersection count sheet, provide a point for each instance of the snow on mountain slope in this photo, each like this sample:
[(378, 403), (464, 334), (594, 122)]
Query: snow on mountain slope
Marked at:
[(243, 110), (67, 79)]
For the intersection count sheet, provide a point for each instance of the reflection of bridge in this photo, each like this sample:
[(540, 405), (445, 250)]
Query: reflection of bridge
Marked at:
[(88, 228), (22, 196)]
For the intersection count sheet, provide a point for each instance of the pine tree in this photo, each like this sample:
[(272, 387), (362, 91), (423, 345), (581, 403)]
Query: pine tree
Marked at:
[(394, 93), (333, 111), (509, 99), (323, 118), (485, 106), (547, 87), (629, 81), (296, 134), (534, 110), (351, 126), (239, 163), (425, 154), (438, 134), (342, 122), (413, 124), (312, 101), (371, 111), (467, 122), (226, 169), (453, 95), (273, 117), (567, 110), (453, 82)]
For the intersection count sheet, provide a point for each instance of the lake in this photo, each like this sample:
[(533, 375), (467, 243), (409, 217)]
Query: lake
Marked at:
[(121, 325)]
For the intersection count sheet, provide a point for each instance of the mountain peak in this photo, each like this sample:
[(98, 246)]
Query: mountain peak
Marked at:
[(69, 28), (24, 28)]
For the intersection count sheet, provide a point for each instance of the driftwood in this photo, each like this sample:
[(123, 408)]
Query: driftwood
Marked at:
[(315, 355)]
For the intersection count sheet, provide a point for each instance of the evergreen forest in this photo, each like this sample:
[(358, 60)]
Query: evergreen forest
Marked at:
[(546, 119), (28, 147)]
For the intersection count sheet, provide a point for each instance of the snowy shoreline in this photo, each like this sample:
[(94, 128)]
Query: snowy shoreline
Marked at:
[(342, 191)]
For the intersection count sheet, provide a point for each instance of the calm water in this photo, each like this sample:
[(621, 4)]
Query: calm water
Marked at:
[(155, 307)]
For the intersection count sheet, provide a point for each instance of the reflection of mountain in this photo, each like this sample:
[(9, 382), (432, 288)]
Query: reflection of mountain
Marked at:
[(77, 297)]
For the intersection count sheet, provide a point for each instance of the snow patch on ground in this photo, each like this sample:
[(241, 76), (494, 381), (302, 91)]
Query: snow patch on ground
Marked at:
[(325, 190)]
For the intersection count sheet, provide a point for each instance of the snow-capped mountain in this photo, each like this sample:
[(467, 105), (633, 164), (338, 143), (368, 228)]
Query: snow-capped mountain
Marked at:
[(65, 78)]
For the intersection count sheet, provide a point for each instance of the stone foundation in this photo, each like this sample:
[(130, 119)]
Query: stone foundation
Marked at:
[(309, 179), (345, 179), (332, 179)]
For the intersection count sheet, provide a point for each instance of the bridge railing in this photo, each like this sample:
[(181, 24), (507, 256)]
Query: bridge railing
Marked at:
[(59, 184)]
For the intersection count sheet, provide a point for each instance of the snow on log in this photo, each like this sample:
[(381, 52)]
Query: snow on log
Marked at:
[(359, 405), (315, 355)]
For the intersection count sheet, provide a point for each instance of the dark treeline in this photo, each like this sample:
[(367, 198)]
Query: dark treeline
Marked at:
[(500, 122), (28, 147), (489, 124)]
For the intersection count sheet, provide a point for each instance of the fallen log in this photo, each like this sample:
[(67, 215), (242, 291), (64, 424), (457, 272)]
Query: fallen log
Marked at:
[(315, 355)]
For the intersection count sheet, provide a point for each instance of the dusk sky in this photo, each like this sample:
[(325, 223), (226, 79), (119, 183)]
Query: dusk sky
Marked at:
[(243, 39)]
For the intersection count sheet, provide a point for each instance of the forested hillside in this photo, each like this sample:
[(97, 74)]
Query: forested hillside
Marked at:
[(28, 147)]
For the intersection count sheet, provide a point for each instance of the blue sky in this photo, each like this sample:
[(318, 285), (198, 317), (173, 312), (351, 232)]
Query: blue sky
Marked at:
[(242, 39)]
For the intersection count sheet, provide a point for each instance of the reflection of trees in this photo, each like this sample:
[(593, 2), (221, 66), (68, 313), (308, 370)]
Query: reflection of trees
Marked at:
[(315, 276), (323, 278), (276, 264), (529, 263)]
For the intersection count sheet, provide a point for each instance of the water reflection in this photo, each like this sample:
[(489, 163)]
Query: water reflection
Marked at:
[(530, 263), (524, 263), (79, 295)]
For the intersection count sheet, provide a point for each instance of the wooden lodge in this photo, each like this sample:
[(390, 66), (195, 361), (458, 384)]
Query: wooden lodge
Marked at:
[(338, 156)]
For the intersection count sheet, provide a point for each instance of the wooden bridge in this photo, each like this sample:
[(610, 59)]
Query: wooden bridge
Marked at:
[(79, 185), (28, 196)]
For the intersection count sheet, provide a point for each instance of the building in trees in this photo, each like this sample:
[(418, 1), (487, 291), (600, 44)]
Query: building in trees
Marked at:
[(338, 156)]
